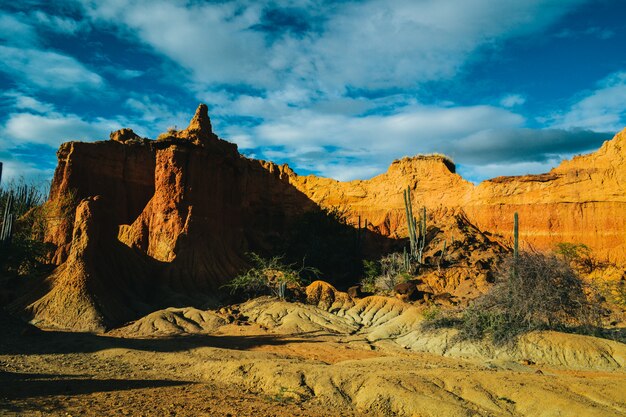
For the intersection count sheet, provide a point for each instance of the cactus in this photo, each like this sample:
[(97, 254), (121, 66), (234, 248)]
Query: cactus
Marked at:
[(407, 261), (443, 255), (7, 221), (410, 222), (417, 236), (422, 239), (515, 236)]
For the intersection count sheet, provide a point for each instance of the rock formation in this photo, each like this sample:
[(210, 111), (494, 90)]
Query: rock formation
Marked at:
[(179, 213), (583, 200)]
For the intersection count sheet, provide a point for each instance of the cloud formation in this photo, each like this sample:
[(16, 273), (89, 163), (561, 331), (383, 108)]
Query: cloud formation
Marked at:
[(334, 88)]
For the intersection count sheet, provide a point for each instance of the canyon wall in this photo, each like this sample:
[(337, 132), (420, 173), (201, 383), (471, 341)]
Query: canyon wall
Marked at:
[(583, 200)]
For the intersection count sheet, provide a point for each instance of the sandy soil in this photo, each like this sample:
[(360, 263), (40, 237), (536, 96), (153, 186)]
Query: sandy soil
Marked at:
[(257, 368)]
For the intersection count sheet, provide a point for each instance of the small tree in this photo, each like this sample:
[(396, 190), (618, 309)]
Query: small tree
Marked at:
[(268, 275)]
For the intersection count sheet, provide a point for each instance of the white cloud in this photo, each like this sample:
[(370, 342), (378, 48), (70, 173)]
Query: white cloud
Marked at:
[(49, 70), (24, 102), (417, 127), (14, 170), (156, 114), (54, 128), (479, 173), (372, 44), (58, 24), (512, 100), (23, 56), (602, 110), (16, 32)]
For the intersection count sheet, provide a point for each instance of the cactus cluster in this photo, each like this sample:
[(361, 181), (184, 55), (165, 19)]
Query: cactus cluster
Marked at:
[(417, 236), (17, 201), (6, 232)]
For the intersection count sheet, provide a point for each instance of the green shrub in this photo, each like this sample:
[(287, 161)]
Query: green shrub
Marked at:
[(371, 270), (578, 255), (268, 276)]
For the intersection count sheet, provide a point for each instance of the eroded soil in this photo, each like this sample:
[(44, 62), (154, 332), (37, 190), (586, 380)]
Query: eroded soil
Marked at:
[(255, 368)]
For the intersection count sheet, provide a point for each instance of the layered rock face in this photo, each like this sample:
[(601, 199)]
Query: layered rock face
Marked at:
[(583, 200), (185, 208), (179, 215), (580, 201)]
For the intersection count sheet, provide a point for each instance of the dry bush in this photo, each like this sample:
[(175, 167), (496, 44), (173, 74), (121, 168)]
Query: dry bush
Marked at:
[(393, 271), (535, 291)]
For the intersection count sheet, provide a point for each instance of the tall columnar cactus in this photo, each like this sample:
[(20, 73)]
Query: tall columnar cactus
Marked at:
[(443, 254), (422, 238), (7, 221), (411, 222), (516, 236), (407, 260)]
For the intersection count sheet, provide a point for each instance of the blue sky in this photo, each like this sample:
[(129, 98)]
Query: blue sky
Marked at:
[(338, 89)]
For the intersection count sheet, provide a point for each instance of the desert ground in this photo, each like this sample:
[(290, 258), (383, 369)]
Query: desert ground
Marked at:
[(278, 358)]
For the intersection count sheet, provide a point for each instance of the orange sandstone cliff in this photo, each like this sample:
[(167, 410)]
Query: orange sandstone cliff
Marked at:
[(583, 200)]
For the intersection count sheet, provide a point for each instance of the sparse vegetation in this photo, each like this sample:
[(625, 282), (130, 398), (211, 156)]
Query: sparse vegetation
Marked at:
[(269, 276), (393, 272), (533, 292), (383, 275), (578, 255), (371, 270), (171, 132), (23, 224)]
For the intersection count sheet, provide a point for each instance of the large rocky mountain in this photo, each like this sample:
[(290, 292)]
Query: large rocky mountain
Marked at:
[(165, 222)]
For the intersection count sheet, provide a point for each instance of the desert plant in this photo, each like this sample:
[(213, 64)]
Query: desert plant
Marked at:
[(392, 272), (533, 291), (614, 291), (411, 222), (371, 270), (23, 251), (268, 275), (417, 236), (578, 255), (17, 198), (515, 236)]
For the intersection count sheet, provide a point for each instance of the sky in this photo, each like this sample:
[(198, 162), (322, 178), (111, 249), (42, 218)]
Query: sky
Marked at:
[(334, 88)]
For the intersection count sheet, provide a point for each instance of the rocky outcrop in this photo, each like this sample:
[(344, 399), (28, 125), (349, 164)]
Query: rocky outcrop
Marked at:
[(101, 283), (583, 200)]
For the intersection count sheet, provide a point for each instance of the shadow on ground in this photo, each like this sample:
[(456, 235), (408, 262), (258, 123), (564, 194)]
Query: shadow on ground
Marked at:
[(20, 386), (35, 342)]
